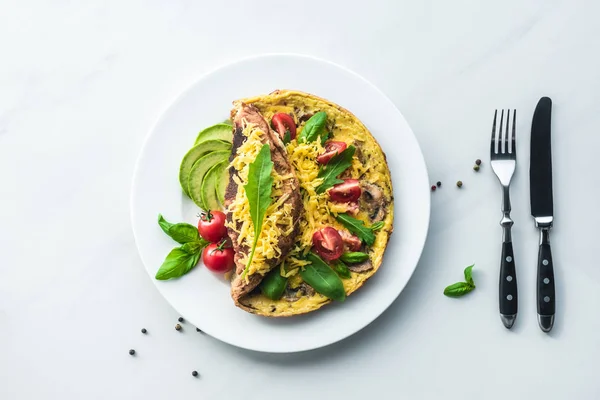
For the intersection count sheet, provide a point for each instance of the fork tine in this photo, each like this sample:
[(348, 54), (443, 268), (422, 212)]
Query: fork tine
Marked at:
[(501, 134), (514, 141), (493, 147), (507, 138)]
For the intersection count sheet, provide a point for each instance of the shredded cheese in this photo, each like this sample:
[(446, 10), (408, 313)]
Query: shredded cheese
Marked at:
[(278, 218), (317, 207)]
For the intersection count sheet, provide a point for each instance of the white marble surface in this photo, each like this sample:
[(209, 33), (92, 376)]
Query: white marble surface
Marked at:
[(81, 83)]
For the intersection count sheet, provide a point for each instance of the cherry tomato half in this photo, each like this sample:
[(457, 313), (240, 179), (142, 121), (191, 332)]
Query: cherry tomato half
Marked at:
[(352, 242), (328, 243), (345, 192), (212, 226), (217, 257), (332, 148), (282, 122)]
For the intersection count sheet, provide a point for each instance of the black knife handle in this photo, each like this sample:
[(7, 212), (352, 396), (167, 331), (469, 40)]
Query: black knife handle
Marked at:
[(508, 283), (546, 296)]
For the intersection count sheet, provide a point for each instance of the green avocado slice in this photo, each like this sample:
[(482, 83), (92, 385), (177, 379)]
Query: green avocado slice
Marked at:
[(222, 182), (194, 154), (199, 173), (209, 189), (216, 132)]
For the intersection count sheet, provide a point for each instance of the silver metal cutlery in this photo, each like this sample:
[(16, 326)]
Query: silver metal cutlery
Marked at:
[(542, 208), (504, 162)]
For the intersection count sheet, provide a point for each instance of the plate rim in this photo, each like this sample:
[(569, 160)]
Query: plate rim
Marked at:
[(182, 94)]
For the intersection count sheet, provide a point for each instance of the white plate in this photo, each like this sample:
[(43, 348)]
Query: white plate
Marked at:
[(202, 297)]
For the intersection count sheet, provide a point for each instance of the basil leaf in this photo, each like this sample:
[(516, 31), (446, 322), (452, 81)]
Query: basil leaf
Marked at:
[(358, 227), (469, 275), (324, 138), (258, 190), (179, 261), (341, 269), (354, 257), (313, 128), (164, 224), (287, 137), (322, 278), (273, 285), (377, 226), (458, 289), (181, 233), (330, 171)]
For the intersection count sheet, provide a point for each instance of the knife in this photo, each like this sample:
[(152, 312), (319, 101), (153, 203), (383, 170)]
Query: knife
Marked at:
[(540, 191)]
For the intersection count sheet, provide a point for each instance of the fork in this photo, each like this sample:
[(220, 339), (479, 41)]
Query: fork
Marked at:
[(503, 156)]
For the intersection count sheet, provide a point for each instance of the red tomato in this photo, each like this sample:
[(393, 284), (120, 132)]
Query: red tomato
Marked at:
[(328, 243), (283, 122), (217, 257), (332, 148), (352, 242), (212, 226), (346, 192)]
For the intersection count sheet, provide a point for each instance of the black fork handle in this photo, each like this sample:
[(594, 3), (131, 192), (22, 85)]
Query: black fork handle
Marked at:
[(508, 295)]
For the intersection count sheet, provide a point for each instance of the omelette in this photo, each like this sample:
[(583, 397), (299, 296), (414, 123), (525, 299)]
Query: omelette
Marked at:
[(332, 204)]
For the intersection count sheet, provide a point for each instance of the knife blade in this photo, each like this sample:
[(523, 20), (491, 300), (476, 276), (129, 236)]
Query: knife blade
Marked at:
[(542, 208)]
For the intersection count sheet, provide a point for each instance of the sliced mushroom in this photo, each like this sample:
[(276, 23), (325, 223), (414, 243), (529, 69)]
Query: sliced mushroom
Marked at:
[(294, 294), (361, 267), (373, 199), (302, 115)]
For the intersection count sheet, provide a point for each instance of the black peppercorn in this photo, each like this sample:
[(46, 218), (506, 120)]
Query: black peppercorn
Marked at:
[(198, 330), (438, 184), (180, 319), (194, 373), (478, 162), (131, 352), (144, 331)]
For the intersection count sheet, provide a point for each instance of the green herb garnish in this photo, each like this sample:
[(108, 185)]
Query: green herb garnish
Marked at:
[(258, 190), (181, 259), (322, 278), (354, 257), (330, 171), (356, 226), (341, 269), (461, 288), (273, 285), (313, 128), (181, 233), (287, 137)]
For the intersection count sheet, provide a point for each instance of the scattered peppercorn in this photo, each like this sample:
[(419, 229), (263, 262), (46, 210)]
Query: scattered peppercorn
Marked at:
[(198, 330), (459, 183), (144, 331), (194, 373), (438, 184), (180, 319), (478, 161), (476, 167), (177, 327), (131, 352), (433, 188)]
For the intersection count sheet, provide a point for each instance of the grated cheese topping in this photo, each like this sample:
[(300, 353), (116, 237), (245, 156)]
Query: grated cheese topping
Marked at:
[(278, 218)]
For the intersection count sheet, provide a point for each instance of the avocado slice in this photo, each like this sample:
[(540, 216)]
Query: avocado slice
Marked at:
[(198, 174), (216, 132), (209, 189), (194, 155), (222, 182)]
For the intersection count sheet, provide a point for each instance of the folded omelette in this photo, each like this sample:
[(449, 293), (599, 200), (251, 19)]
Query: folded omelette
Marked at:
[(305, 204)]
